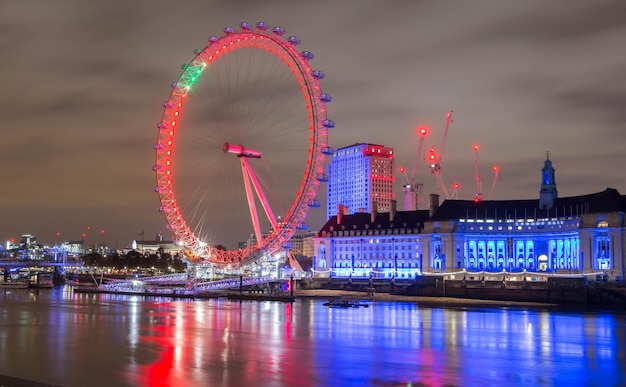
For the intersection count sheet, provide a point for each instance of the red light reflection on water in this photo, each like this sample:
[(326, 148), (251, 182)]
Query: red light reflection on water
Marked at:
[(158, 373), (205, 344), (287, 321), (161, 371)]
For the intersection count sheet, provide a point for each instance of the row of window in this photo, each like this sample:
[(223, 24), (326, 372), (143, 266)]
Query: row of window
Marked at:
[(367, 247), (366, 256), (376, 265), (398, 241)]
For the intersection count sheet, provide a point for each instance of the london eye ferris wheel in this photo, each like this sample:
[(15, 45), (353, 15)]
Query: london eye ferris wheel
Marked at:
[(242, 146)]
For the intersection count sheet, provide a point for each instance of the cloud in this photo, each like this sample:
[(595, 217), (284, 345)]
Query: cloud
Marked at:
[(83, 85)]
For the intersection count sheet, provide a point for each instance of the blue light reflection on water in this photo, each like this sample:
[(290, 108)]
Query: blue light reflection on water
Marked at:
[(472, 346), (66, 339)]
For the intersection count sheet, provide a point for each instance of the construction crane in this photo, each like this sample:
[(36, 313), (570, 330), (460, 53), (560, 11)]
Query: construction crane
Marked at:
[(496, 174), (435, 168), (434, 159), (411, 188), (479, 190), (455, 191)]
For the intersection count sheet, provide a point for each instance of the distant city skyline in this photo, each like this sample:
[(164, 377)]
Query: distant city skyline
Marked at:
[(84, 83)]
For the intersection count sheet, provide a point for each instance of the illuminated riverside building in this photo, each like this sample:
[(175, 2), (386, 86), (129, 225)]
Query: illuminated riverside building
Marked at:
[(359, 175), (579, 235), (302, 244)]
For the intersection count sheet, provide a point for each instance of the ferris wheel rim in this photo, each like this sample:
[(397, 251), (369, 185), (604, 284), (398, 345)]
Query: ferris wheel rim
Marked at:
[(297, 62)]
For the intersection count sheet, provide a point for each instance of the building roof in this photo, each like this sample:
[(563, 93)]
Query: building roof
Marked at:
[(363, 221), (609, 200), (360, 143)]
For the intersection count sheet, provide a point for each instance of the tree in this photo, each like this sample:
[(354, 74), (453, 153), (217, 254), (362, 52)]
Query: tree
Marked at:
[(132, 259), (178, 264), (93, 259)]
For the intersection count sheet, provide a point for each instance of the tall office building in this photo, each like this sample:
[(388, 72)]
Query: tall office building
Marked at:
[(360, 175)]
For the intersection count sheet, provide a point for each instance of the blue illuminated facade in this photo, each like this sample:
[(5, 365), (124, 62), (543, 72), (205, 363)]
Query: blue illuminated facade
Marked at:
[(580, 235)]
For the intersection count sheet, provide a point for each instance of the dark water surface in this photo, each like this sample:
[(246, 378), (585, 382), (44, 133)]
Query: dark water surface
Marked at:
[(60, 338)]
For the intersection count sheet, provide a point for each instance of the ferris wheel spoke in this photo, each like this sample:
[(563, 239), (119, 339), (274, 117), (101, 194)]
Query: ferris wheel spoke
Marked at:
[(260, 194), (251, 203)]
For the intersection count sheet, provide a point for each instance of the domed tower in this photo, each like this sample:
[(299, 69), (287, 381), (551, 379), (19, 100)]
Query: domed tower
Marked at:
[(548, 192)]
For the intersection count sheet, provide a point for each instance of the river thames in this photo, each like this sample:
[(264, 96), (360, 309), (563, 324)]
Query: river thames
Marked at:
[(65, 339)]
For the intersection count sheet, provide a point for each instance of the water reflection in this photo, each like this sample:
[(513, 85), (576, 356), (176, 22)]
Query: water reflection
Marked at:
[(61, 338)]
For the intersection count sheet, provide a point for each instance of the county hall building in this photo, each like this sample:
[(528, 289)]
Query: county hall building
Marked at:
[(570, 236)]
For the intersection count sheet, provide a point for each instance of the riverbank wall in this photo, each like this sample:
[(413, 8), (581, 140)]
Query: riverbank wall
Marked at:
[(554, 291)]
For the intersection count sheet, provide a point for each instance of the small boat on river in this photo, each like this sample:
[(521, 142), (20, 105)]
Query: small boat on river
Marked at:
[(339, 303)]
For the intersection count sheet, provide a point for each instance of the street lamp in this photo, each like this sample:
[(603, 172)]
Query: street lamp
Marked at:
[(395, 264), (352, 266), (395, 257), (56, 250)]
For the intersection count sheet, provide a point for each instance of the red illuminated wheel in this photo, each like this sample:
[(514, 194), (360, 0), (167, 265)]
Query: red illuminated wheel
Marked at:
[(242, 146)]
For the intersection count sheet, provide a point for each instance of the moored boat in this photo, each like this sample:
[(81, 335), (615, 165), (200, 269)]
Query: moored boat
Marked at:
[(43, 281), (14, 284)]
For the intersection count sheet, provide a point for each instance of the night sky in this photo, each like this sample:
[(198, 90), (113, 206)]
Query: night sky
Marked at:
[(83, 83)]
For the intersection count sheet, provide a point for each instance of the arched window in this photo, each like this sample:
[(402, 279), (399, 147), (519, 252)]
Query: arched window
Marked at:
[(603, 251), (439, 260)]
